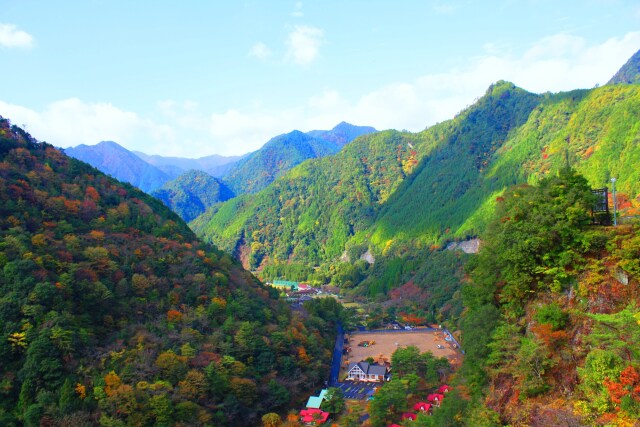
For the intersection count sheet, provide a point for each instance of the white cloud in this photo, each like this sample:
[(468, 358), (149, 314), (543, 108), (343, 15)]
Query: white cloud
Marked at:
[(329, 99), (304, 44), (557, 63), (260, 51), (241, 132), (297, 10), (184, 128), (11, 37), (71, 122)]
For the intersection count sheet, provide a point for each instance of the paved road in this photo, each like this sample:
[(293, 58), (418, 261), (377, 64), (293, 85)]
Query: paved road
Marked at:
[(454, 340), (337, 357)]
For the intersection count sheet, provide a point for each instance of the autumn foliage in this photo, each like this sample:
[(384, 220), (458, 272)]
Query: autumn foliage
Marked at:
[(113, 312)]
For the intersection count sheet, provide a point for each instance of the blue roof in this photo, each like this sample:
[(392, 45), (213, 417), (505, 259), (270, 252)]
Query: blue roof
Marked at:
[(314, 402)]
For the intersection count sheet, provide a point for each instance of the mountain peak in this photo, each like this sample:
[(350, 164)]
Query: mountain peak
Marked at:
[(111, 145), (342, 134), (348, 127), (343, 125), (115, 160), (629, 73)]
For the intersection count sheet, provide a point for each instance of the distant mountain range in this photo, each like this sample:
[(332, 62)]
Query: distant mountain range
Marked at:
[(280, 154), (122, 164), (236, 174), (215, 165), (260, 168)]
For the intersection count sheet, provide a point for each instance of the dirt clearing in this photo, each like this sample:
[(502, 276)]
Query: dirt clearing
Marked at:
[(381, 345)]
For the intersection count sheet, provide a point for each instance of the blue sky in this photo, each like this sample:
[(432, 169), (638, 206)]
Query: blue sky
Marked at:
[(193, 78)]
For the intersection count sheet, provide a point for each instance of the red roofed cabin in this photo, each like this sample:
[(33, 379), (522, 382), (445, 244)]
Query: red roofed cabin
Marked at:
[(444, 389), (422, 406), (435, 398), (409, 416), (313, 417)]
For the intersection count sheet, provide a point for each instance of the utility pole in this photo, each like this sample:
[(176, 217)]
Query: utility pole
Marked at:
[(615, 203)]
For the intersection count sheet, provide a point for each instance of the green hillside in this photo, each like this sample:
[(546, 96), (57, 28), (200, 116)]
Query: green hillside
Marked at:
[(385, 193), (112, 312), (374, 189), (310, 213), (259, 169), (550, 328), (400, 196), (449, 184), (191, 193)]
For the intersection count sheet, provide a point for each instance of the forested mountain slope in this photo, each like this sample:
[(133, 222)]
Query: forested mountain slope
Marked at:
[(396, 192), (190, 194), (552, 317), (313, 211), (112, 312), (258, 169)]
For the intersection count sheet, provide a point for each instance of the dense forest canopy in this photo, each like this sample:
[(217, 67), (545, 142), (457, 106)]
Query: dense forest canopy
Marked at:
[(111, 310), (395, 196), (191, 193), (551, 322)]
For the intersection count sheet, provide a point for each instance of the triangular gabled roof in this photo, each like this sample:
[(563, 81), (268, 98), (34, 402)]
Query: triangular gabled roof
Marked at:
[(368, 369), (359, 365)]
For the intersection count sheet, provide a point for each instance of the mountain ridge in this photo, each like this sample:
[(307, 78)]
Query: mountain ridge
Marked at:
[(215, 164), (342, 133), (150, 172), (260, 168), (191, 193), (117, 161), (629, 73)]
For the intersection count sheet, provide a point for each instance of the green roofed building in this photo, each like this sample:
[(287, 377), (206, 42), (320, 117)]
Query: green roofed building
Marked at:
[(316, 401), (293, 286)]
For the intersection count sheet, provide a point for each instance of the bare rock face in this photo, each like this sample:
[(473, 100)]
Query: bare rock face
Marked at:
[(368, 256), (621, 276), (471, 246)]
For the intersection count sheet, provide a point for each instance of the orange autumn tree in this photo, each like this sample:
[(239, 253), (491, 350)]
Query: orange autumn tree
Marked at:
[(625, 392), (174, 316), (411, 319)]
